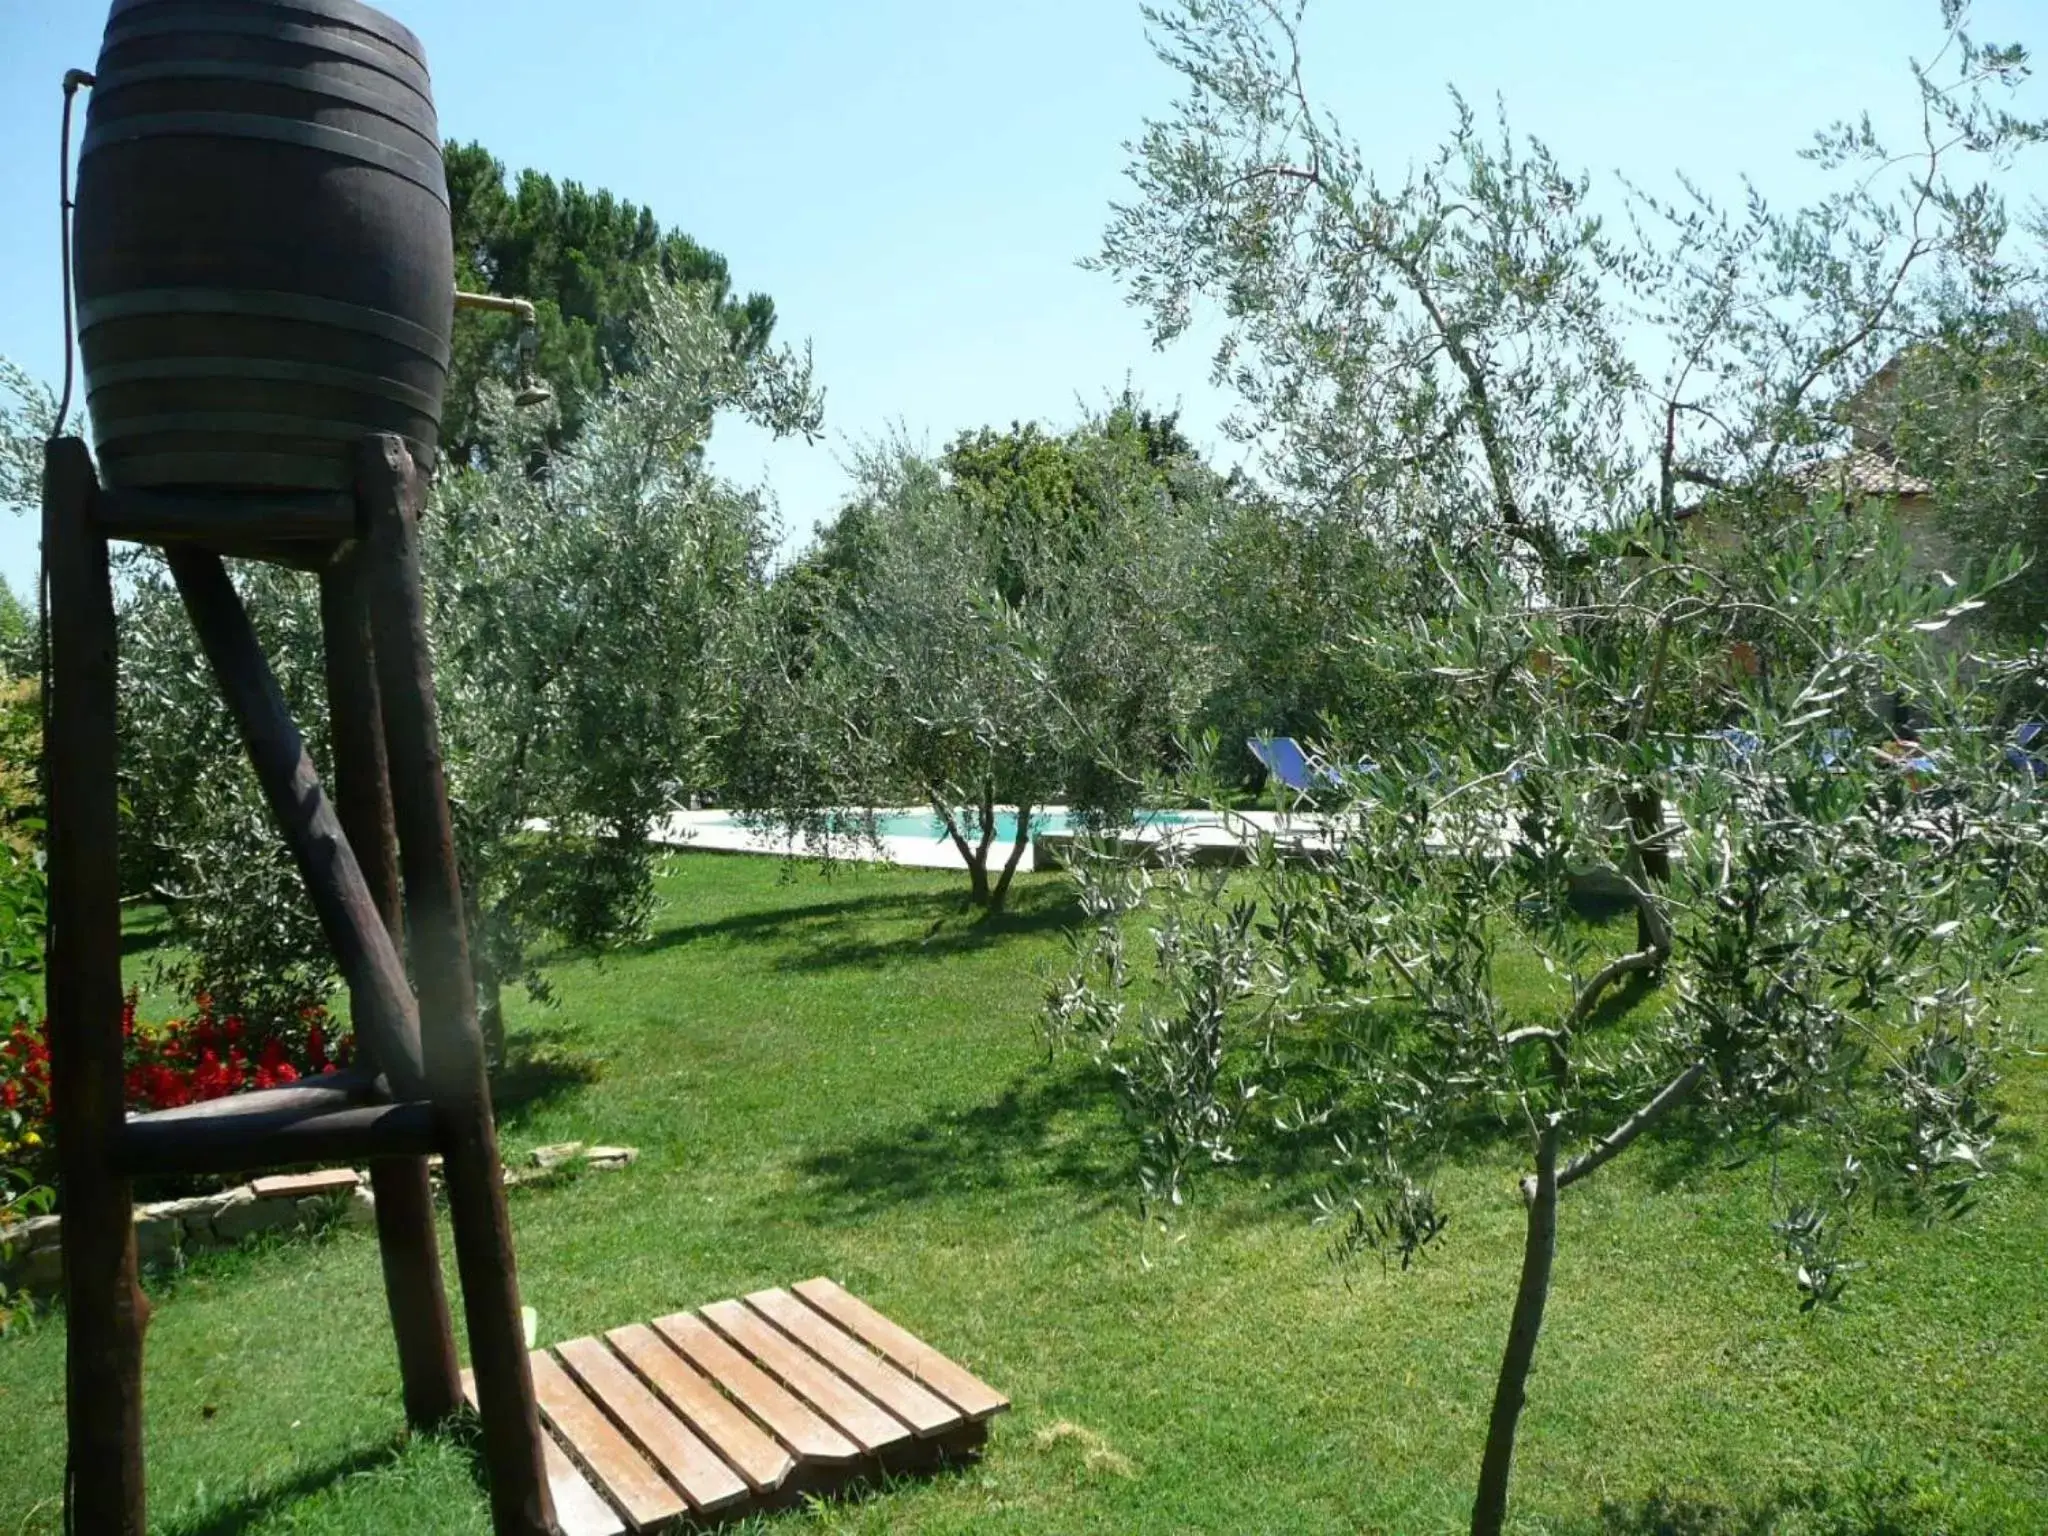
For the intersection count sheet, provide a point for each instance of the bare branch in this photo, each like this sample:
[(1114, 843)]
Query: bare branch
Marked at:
[(1621, 965), (1616, 1141)]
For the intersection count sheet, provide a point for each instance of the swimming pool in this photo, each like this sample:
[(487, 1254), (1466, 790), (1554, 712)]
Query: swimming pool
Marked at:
[(1055, 822), (911, 835)]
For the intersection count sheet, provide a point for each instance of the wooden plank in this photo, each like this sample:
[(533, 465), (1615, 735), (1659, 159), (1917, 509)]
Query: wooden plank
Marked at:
[(639, 1490), (293, 1186), (753, 1453), (707, 1482), (803, 1431), (833, 1395), (926, 1414), (958, 1386), (579, 1509)]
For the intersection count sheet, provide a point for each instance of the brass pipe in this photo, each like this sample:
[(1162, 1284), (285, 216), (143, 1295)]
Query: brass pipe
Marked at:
[(521, 307)]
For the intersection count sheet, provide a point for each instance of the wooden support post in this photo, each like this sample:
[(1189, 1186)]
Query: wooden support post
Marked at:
[(413, 1291), (385, 1015), (389, 490), (105, 1310)]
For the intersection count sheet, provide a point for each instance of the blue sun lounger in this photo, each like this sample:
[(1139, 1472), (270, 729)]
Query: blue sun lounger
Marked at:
[(2029, 750), (1283, 758)]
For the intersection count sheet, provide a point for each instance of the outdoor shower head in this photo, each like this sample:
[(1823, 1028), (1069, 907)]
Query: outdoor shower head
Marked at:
[(531, 390)]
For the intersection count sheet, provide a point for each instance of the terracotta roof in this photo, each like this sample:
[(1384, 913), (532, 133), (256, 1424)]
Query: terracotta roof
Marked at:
[(1860, 473)]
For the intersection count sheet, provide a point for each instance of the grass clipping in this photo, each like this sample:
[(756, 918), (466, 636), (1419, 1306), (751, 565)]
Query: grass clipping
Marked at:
[(1097, 1454)]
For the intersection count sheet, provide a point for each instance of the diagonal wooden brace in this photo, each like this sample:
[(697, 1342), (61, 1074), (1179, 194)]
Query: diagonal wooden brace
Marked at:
[(390, 1025)]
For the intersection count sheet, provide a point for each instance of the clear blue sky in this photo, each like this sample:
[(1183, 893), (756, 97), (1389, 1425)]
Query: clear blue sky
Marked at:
[(913, 180)]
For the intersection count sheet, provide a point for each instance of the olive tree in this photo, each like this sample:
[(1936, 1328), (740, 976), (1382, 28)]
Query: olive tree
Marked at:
[(1452, 335), (990, 634), (580, 614), (1523, 401), (1476, 344), (1827, 957)]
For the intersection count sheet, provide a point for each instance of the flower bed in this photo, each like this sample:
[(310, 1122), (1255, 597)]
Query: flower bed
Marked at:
[(182, 1061)]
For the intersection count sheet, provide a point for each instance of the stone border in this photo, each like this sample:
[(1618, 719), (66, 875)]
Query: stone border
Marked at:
[(34, 1258), (35, 1262)]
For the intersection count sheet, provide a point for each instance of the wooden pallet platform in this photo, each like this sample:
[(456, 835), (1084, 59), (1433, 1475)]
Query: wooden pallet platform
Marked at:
[(701, 1417)]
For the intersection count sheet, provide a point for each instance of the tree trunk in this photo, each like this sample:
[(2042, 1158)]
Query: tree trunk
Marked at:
[(1490, 1508), (1646, 820), (983, 896), (974, 857), (1001, 893)]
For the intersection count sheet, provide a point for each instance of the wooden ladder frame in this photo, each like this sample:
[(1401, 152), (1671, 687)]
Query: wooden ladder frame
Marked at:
[(380, 866)]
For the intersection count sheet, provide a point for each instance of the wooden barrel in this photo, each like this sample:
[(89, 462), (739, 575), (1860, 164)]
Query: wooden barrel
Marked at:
[(262, 252)]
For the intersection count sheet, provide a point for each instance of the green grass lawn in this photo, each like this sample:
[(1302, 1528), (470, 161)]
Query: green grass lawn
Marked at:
[(843, 1077)]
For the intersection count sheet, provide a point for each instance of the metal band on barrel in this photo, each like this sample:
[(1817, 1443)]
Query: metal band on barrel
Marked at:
[(264, 369), (347, 12), (336, 45), (426, 174), (269, 305), (410, 113)]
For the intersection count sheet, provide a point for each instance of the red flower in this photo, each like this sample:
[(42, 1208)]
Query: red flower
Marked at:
[(180, 1062)]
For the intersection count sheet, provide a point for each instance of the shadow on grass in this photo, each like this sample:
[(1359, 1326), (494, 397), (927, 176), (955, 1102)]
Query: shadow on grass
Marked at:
[(1619, 1001), (864, 1487), (779, 924), (538, 1071), (260, 1508), (958, 929), (141, 940), (1066, 1125), (824, 935), (1046, 1127)]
